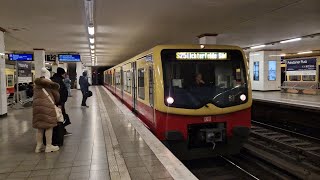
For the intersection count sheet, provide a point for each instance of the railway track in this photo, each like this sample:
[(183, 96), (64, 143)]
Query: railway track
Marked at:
[(297, 154), (218, 168)]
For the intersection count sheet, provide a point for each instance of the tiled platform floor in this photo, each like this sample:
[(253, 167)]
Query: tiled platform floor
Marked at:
[(288, 98), (102, 146), (83, 155)]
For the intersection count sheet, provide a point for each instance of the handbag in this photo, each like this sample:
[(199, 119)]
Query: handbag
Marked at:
[(58, 110), (89, 93)]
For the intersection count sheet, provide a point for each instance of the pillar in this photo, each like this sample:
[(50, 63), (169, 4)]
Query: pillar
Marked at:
[(39, 61), (55, 66), (265, 70), (3, 88), (208, 38), (79, 70), (89, 70)]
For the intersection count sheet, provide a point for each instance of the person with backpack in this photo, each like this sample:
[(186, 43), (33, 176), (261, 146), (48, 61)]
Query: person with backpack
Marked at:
[(84, 86)]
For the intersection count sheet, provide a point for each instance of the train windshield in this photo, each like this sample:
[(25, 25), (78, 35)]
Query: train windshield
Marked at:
[(195, 78)]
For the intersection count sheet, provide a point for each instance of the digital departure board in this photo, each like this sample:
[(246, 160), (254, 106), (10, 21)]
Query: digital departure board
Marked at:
[(69, 57), (201, 55), (20, 57)]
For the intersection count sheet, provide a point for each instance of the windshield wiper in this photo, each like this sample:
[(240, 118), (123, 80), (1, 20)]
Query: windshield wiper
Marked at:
[(227, 91)]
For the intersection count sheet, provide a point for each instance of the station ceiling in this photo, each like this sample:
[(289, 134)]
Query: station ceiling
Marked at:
[(125, 28)]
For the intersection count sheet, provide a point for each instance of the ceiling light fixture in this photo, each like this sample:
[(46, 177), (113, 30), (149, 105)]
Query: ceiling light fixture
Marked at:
[(92, 46), (305, 52), (91, 40), (258, 46), (92, 51), (291, 40), (91, 30)]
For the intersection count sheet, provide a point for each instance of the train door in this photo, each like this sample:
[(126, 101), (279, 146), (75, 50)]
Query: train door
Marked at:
[(134, 86), (151, 90), (121, 82)]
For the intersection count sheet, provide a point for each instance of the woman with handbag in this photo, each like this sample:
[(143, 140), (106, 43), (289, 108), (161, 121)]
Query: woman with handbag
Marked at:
[(46, 114)]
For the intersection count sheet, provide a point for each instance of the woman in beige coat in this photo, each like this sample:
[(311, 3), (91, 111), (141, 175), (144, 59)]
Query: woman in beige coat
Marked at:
[(44, 113)]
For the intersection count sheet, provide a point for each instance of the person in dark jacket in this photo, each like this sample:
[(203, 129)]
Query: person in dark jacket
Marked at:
[(84, 86), (59, 78)]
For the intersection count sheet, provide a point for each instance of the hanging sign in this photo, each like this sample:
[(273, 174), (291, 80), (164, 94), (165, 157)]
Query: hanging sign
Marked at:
[(305, 66)]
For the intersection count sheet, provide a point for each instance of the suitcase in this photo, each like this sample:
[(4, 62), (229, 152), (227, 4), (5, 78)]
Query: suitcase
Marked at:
[(57, 135)]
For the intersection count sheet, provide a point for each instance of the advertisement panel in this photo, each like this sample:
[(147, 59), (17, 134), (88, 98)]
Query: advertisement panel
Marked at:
[(272, 70), (24, 72)]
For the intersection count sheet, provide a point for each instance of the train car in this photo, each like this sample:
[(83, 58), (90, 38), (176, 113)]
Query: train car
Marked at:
[(10, 79), (196, 100)]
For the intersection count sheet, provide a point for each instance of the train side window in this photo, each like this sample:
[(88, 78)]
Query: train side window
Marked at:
[(10, 80), (141, 92), (128, 81)]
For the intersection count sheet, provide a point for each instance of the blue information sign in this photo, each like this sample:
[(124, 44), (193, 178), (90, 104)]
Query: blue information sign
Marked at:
[(304, 64), (20, 57), (69, 57)]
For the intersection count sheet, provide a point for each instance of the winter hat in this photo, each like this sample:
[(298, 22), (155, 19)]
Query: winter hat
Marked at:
[(45, 73), (60, 71)]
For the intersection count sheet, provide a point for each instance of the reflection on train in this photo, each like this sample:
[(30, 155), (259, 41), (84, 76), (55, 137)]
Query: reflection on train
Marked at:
[(195, 100)]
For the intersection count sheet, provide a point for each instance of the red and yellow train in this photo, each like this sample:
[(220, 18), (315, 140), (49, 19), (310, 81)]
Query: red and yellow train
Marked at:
[(196, 100)]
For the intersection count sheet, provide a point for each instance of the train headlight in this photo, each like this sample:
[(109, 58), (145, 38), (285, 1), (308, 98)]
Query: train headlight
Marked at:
[(170, 100), (243, 97)]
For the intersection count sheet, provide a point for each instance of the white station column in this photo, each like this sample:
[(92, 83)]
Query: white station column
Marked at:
[(79, 70), (39, 61), (3, 89), (89, 70), (265, 70)]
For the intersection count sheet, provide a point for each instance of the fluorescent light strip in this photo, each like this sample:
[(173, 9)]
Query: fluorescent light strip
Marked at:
[(91, 40), (259, 46), (92, 51), (92, 46), (91, 30), (291, 40), (305, 52)]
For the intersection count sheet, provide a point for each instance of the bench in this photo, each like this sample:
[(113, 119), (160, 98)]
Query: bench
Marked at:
[(23, 98), (300, 87)]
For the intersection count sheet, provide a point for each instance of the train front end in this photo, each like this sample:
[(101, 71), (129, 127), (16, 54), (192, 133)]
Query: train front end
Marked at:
[(203, 103)]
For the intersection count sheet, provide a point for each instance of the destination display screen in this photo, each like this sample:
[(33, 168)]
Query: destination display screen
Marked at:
[(201, 55), (69, 58), (20, 57)]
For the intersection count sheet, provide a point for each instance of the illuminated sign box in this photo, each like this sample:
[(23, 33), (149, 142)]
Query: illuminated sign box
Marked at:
[(201, 55), (20, 57), (69, 58)]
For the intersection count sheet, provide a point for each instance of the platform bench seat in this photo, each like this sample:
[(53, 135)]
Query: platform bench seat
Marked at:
[(300, 87)]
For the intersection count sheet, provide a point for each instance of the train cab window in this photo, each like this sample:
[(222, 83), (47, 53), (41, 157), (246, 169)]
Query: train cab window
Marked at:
[(141, 92), (295, 78), (308, 78), (192, 84)]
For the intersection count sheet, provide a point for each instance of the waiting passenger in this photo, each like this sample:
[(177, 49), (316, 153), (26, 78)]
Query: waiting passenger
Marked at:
[(30, 89), (84, 86), (44, 112), (67, 82), (198, 80)]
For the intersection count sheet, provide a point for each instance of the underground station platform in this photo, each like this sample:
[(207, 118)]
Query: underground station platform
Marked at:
[(107, 142)]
